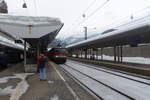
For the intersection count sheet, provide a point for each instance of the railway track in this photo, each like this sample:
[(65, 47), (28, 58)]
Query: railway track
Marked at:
[(103, 86), (117, 73)]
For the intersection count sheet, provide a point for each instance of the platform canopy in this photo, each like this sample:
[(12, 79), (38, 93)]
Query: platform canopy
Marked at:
[(131, 33), (4, 42), (31, 29)]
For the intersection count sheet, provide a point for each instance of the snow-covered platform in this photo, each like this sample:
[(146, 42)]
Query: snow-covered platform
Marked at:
[(135, 68), (17, 85)]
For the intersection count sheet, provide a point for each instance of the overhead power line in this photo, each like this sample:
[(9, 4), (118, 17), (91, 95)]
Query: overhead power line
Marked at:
[(35, 6), (70, 27), (86, 18), (128, 16), (89, 6), (101, 6), (82, 13)]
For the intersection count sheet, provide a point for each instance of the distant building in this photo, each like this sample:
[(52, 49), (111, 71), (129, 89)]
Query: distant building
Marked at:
[(3, 7)]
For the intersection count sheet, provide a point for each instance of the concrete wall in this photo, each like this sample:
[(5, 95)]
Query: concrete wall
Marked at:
[(140, 51)]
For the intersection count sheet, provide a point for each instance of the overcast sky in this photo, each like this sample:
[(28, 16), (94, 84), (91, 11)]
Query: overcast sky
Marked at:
[(70, 12)]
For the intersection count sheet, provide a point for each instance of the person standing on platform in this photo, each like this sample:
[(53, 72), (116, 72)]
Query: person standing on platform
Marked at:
[(38, 62), (42, 69)]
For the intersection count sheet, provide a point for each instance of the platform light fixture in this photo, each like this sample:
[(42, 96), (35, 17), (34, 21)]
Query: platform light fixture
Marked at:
[(30, 29), (18, 41), (24, 4)]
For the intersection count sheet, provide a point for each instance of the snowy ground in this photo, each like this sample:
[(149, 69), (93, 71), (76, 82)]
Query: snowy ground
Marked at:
[(134, 89), (21, 88), (140, 60)]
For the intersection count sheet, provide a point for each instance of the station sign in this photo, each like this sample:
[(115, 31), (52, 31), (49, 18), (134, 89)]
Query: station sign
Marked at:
[(18, 41)]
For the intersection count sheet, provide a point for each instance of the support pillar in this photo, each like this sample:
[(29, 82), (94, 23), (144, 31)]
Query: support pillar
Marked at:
[(85, 53), (77, 53), (81, 53), (118, 54), (121, 52), (89, 53), (101, 53), (115, 53), (97, 53), (25, 54), (38, 49)]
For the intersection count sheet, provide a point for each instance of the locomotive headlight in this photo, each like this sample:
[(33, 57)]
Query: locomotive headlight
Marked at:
[(56, 56)]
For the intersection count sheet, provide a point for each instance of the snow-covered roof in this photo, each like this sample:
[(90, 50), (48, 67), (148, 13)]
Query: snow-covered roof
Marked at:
[(28, 20), (10, 43), (134, 28), (29, 26)]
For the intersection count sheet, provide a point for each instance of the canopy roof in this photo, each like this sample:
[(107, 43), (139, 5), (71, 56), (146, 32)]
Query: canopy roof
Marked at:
[(34, 30), (29, 27), (10, 43), (132, 33)]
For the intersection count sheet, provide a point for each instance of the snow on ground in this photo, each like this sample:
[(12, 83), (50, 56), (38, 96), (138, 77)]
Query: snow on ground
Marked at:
[(21, 87), (140, 60), (134, 89), (55, 97), (101, 90)]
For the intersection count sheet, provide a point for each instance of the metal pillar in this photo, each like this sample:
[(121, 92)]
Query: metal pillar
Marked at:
[(81, 53), (101, 53), (76, 53), (115, 53), (85, 30), (93, 55), (38, 49), (97, 53), (25, 54), (70, 53), (118, 53), (121, 52), (90, 53), (85, 53), (85, 39)]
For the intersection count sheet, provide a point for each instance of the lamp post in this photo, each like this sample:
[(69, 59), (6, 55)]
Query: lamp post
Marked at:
[(85, 36), (85, 30)]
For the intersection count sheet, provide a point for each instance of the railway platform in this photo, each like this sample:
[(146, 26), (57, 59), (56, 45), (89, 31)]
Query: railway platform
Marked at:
[(15, 84)]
